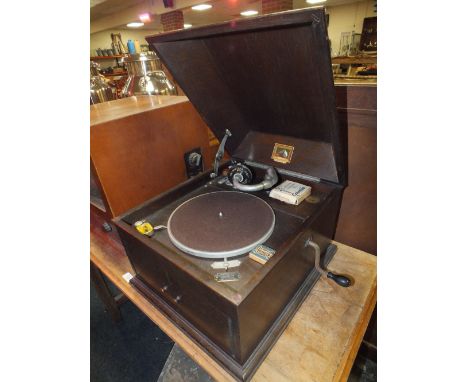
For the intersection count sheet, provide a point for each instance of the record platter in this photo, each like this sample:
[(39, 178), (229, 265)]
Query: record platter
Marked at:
[(203, 226), (229, 255)]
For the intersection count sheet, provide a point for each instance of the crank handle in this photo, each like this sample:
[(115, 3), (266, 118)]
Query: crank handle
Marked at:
[(341, 280)]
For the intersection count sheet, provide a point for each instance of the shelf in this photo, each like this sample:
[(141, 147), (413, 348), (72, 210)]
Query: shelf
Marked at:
[(115, 74), (355, 60), (362, 77), (106, 57)]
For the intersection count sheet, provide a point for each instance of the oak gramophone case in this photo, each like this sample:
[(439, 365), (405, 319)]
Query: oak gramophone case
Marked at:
[(267, 80)]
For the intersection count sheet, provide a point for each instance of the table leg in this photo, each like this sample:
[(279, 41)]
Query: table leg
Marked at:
[(105, 294)]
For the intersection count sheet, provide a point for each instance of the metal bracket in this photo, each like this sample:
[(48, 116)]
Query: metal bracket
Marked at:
[(220, 154)]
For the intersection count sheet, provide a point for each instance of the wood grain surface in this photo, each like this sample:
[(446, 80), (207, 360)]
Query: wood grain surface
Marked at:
[(129, 151), (319, 344), (357, 112), (121, 108)]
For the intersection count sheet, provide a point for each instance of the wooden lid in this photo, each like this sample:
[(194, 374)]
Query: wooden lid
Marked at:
[(263, 78)]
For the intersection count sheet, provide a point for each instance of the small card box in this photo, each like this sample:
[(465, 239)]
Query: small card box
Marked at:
[(261, 254), (290, 192)]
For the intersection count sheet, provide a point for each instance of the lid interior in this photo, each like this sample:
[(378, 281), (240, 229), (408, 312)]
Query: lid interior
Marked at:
[(269, 76)]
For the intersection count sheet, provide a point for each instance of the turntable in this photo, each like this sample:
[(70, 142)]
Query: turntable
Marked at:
[(218, 215), (265, 87)]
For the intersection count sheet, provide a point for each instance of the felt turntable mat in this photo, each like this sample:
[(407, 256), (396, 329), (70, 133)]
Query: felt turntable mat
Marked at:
[(221, 224)]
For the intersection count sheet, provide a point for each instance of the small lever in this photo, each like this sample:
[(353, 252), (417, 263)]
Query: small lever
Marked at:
[(220, 154), (341, 280)]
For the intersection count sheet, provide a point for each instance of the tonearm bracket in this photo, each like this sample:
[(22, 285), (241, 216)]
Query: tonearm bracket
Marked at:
[(220, 154)]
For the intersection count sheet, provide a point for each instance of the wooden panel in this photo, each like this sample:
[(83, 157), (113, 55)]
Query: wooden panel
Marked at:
[(139, 155), (356, 97), (311, 158), (357, 224), (121, 108), (319, 344)]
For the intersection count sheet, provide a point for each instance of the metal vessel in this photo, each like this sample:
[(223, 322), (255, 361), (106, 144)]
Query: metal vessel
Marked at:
[(99, 90), (145, 76)]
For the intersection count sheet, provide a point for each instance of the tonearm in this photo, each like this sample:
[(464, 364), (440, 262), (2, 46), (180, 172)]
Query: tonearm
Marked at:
[(220, 154)]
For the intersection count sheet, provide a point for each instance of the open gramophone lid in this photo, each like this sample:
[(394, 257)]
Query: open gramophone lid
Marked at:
[(221, 224)]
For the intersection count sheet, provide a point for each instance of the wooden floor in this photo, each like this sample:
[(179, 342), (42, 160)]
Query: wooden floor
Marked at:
[(319, 344)]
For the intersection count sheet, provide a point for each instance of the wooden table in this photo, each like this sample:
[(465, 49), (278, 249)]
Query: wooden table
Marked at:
[(319, 344)]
